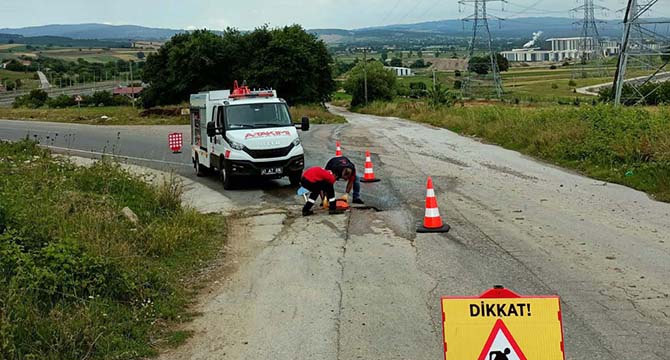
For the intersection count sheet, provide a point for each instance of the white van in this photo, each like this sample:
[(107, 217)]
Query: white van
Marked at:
[(245, 133)]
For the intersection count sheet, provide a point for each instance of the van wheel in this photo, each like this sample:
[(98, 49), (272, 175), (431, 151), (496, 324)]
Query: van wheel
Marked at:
[(295, 179), (198, 168), (226, 178)]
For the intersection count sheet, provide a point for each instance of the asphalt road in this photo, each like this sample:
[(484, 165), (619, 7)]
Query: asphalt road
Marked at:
[(364, 285)]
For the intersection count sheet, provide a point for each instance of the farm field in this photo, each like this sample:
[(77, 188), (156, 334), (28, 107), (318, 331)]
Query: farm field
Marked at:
[(99, 55)]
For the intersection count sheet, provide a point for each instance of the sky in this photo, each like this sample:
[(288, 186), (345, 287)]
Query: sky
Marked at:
[(248, 14)]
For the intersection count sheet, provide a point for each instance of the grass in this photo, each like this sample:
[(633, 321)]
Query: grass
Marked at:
[(77, 278), (316, 113), (16, 75), (118, 115), (629, 146)]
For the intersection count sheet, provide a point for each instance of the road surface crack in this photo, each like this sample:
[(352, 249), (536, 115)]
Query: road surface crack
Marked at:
[(340, 261)]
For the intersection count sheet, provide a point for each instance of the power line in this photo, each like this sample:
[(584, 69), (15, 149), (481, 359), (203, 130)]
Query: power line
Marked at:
[(430, 8), (391, 11), (643, 47), (590, 43), (480, 23)]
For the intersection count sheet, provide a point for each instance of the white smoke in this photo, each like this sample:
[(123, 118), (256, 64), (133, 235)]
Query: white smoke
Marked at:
[(536, 36)]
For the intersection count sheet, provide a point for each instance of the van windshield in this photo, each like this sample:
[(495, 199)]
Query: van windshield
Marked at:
[(257, 116)]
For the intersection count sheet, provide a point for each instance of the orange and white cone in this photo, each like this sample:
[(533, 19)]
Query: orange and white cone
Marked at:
[(432, 222), (369, 174), (338, 149)]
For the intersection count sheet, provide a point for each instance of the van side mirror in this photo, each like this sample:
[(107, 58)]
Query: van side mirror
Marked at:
[(211, 129), (304, 125)]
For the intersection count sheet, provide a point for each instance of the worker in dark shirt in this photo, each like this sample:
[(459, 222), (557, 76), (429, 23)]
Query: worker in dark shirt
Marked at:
[(338, 166), (318, 180)]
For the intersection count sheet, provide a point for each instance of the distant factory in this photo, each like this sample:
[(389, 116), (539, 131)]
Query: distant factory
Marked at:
[(561, 49)]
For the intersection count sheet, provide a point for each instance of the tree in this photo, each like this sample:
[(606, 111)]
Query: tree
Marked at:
[(437, 53), (503, 64), (419, 53), (15, 65), (419, 63), (482, 64), (396, 62), (384, 56), (291, 60), (140, 55), (36, 98), (288, 59), (479, 65), (381, 83)]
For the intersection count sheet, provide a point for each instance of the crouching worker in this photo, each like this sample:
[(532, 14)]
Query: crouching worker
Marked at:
[(344, 169), (318, 180)]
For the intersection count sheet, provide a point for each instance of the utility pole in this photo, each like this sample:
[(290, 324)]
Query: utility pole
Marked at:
[(643, 48), (132, 86), (365, 73), (590, 43), (480, 20)]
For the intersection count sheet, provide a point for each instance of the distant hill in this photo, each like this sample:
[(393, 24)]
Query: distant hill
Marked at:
[(96, 31), (418, 33), (510, 28), (62, 41)]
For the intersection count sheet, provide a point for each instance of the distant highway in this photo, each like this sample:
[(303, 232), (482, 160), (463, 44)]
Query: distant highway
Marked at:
[(593, 90), (44, 81), (6, 99)]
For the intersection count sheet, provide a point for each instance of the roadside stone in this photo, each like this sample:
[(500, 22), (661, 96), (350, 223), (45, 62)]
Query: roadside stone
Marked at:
[(130, 215)]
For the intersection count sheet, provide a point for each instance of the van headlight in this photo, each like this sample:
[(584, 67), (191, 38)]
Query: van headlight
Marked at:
[(297, 141), (236, 145)]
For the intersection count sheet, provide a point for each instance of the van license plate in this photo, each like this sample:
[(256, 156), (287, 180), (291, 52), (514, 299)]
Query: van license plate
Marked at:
[(271, 171)]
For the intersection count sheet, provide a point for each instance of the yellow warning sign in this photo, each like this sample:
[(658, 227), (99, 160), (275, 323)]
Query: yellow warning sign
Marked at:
[(502, 325)]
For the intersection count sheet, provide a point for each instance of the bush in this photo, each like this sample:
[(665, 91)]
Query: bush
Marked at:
[(572, 83), (10, 85), (458, 84), (439, 96), (105, 98), (552, 67), (35, 99), (61, 101), (381, 83), (656, 94), (457, 73), (554, 86)]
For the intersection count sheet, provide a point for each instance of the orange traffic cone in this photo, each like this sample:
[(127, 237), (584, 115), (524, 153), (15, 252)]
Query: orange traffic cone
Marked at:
[(338, 149), (369, 175), (432, 222)]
